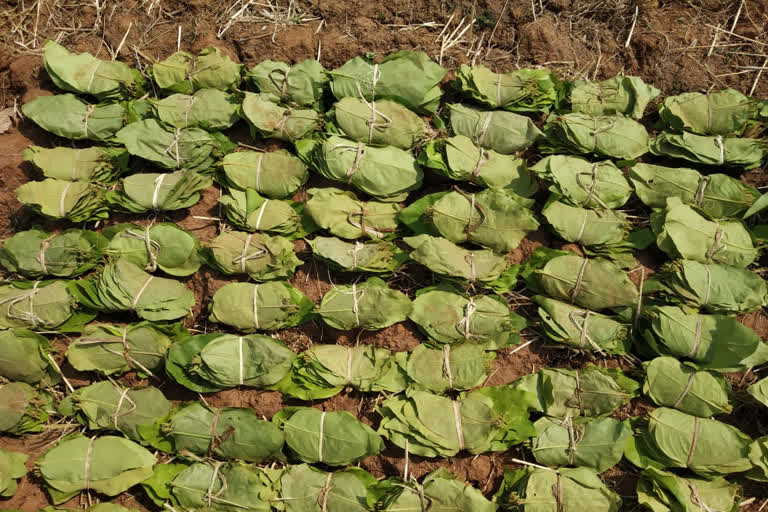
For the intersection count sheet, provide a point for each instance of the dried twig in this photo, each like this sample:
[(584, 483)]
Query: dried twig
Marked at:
[(632, 28)]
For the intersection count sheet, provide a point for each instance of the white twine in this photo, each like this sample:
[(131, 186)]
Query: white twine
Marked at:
[(243, 261), (447, 365), (721, 146), (256, 305), (470, 258), (93, 75), (457, 419), (87, 465), (498, 90), (349, 365), (258, 172), (583, 226), (155, 194), (41, 255), (353, 252), (240, 358), (320, 441), (465, 323), (62, 210), (261, 214), (208, 496), (697, 338), (123, 396), (135, 300), (709, 285), (74, 164), (355, 305), (88, 113), (484, 129)]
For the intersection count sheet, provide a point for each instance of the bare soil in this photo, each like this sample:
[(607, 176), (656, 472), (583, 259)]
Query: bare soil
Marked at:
[(678, 46)]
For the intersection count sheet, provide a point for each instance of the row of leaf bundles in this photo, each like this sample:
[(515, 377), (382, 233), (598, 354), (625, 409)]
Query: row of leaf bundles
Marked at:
[(228, 487), (204, 363), (442, 312), (80, 201)]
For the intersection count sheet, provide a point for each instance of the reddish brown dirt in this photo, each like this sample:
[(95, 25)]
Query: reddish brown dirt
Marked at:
[(670, 47)]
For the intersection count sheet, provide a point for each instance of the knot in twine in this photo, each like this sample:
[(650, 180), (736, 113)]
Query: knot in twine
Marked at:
[(174, 146), (464, 325), (88, 112), (156, 192), (152, 247), (244, 257), (592, 188)]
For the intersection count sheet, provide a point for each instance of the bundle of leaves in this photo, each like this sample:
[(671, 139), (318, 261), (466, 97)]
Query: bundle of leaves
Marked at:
[(267, 118), (668, 438), (170, 147), (209, 109), (344, 215), (249, 211), (144, 192), (211, 362), (592, 391), (27, 358), (369, 305), (379, 123), (322, 371), (438, 491), (385, 173), (107, 465), (612, 136), (599, 185), (360, 78), (713, 342), (260, 256), (373, 257), (304, 488), (185, 73), (109, 406), (723, 112), (41, 305), (670, 383), (77, 201), (627, 95), (452, 367), (546, 490), (497, 130), (94, 164), (227, 433), (459, 159), (521, 90), (447, 316), (594, 443), (68, 116), (582, 329), (11, 469), (123, 286), (209, 486), (592, 283), (662, 491), (602, 232), (712, 287), (252, 307), (333, 438), (23, 408), (497, 219), (35, 253), (85, 74), (490, 419), (302, 84), (163, 246), (716, 195), (443, 257), (273, 174), (710, 150), (115, 349), (682, 232)]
